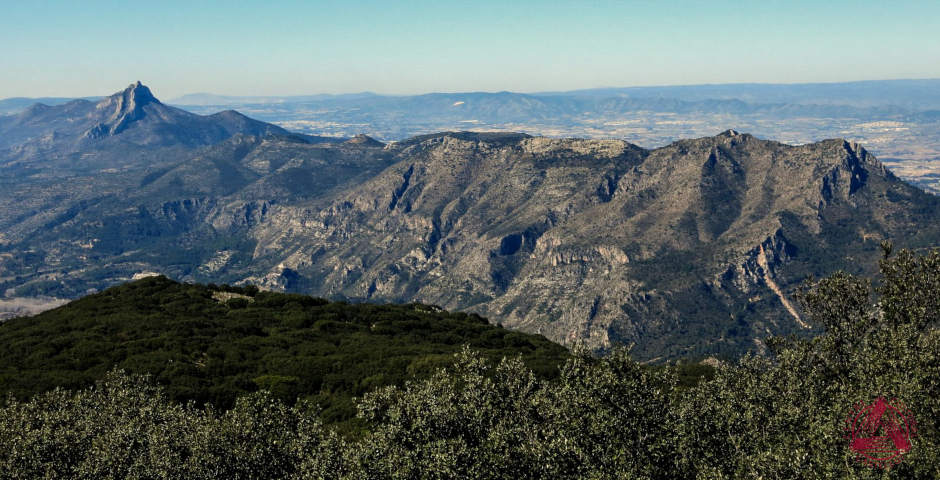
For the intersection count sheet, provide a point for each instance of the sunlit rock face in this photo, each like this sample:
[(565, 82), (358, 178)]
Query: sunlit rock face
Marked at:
[(691, 248)]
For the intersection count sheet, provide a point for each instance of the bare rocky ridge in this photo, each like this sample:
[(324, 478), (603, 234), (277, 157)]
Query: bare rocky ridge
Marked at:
[(694, 248)]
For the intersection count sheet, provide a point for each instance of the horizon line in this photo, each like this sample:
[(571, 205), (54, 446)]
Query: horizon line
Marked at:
[(536, 92)]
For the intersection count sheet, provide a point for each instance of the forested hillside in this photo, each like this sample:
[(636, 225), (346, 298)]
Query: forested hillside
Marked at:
[(209, 344), (783, 416)]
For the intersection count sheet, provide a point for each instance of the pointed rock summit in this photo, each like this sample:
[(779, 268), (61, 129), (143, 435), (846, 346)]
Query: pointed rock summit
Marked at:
[(138, 94), (125, 107), (132, 98)]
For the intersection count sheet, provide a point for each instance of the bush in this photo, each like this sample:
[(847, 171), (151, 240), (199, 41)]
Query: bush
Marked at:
[(124, 427), (784, 418), (779, 417)]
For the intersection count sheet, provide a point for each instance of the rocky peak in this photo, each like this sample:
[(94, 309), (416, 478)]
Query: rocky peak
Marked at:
[(857, 155), (138, 94), (133, 98), (122, 108), (129, 100)]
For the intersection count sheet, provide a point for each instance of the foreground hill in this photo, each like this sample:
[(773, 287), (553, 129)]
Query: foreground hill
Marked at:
[(209, 345)]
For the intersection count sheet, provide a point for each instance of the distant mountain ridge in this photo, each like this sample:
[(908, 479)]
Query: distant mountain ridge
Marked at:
[(907, 93), (525, 109), (915, 94), (690, 249), (897, 119), (9, 106), (918, 94), (213, 99)]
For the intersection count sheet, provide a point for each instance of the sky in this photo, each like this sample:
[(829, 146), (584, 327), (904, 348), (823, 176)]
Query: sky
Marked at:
[(69, 48)]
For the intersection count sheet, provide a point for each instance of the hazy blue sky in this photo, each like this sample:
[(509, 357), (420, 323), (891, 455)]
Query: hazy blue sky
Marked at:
[(73, 48)]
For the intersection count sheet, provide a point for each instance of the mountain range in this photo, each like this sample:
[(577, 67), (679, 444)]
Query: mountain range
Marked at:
[(690, 249), (14, 105), (898, 120), (392, 117), (910, 94)]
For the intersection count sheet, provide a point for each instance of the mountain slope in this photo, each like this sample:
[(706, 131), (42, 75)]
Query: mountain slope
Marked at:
[(95, 192), (186, 216), (693, 248)]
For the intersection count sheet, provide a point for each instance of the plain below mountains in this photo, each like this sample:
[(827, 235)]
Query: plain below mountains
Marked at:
[(694, 248)]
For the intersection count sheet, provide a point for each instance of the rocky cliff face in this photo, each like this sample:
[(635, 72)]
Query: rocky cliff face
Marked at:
[(600, 242)]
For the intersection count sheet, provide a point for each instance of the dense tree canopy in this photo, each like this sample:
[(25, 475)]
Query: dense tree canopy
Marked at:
[(776, 417), (210, 344)]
